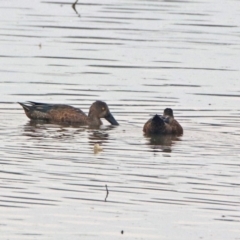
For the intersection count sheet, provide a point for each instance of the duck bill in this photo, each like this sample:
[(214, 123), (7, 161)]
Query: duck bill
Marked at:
[(111, 119)]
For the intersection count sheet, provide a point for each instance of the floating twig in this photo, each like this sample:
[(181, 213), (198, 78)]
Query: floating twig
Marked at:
[(74, 8), (107, 193)]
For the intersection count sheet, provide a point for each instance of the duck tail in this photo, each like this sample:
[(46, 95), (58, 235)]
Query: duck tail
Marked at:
[(25, 107), (157, 120)]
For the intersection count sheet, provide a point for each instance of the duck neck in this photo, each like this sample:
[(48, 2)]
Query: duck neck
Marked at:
[(93, 119)]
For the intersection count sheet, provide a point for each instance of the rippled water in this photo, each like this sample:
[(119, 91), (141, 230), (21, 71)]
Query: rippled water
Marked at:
[(139, 57)]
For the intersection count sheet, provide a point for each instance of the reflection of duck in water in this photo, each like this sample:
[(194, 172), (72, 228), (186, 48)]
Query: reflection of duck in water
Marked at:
[(163, 125), (163, 142), (91, 134), (62, 113)]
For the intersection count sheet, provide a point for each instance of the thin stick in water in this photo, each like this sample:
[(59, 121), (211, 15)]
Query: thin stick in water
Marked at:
[(74, 8), (107, 193)]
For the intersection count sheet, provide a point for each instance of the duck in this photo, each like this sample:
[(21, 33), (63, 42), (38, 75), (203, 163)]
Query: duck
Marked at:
[(157, 125), (175, 125), (61, 113)]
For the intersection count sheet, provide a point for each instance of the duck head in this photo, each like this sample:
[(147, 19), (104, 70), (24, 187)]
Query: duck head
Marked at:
[(100, 109)]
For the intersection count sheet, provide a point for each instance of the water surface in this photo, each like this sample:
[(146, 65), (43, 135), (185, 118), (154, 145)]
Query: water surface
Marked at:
[(140, 57)]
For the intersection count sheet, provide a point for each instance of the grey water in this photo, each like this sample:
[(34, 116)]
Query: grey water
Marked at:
[(139, 56)]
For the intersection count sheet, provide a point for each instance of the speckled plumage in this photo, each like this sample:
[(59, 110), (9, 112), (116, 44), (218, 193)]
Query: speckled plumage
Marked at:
[(68, 114), (163, 125), (157, 125)]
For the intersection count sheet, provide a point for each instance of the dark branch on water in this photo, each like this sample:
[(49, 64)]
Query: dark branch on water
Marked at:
[(107, 193), (74, 8)]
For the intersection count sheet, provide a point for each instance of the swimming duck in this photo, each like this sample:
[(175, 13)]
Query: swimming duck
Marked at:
[(68, 114), (169, 118), (157, 125)]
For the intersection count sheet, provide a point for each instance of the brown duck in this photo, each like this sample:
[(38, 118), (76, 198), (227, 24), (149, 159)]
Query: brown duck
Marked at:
[(163, 125), (67, 114)]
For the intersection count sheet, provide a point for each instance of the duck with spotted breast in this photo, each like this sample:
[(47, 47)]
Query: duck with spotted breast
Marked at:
[(163, 125), (61, 113)]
